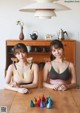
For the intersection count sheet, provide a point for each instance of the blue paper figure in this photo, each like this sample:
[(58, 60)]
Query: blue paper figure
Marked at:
[(41, 104), (49, 103), (49, 106), (50, 100)]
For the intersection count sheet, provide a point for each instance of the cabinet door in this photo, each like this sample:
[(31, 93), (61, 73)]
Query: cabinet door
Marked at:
[(69, 50)]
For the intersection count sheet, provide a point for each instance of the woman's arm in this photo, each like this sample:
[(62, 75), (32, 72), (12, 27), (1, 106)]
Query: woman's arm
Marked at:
[(35, 79), (45, 76), (73, 77), (73, 80), (8, 80)]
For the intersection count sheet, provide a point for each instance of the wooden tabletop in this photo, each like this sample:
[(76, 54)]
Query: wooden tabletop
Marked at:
[(64, 101)]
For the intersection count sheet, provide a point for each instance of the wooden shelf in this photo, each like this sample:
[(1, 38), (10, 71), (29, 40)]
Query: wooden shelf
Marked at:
[(29, 42)]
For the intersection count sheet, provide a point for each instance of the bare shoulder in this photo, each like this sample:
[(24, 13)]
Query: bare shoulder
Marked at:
[(11, 67), (10, 70), (47, 64), (71, 65), (34, 65)]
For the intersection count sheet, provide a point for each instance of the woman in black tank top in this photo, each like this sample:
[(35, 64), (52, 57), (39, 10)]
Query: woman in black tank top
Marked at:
[(59, 71)]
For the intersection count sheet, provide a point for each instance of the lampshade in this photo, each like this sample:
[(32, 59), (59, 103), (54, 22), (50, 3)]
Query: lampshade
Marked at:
[(45, 14), (44, 8)]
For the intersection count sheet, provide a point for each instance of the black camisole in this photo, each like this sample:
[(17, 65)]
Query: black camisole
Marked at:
[(65, 75)]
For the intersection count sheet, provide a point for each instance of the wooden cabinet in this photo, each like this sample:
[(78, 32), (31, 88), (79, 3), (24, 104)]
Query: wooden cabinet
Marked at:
[(70, 50), (41, 52)]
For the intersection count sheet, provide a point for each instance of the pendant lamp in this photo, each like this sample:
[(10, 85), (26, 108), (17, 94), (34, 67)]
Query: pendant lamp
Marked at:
[(44, 8)]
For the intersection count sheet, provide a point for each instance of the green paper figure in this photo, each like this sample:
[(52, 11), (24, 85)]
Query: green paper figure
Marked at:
[(32, 104)]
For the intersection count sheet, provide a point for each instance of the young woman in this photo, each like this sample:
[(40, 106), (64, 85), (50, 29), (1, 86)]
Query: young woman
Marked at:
[(60, 73), (21, 75)]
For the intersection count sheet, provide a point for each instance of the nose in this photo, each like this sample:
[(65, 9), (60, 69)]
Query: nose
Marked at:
[(57, 51), (21, 54)]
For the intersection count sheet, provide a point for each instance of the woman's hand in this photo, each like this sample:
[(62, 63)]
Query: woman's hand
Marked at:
[(59, 87), (62, 87), (55, 86), (22, 90)]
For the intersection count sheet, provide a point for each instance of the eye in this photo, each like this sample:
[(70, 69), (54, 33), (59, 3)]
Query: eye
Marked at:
[(53, 50), (18, 53), (59, 48), (23, 52)]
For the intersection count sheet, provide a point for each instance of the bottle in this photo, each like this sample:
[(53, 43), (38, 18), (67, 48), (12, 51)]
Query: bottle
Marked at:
[(61, 35)]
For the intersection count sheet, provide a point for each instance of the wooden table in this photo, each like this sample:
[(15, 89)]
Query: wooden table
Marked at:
[(64, 102)]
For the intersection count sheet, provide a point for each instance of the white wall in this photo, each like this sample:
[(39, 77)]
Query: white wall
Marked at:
[(9, 14)]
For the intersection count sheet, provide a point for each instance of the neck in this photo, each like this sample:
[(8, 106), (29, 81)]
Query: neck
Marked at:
[(22, 63), (59, 60)]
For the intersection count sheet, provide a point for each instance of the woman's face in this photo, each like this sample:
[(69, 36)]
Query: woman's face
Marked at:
[(21, 55), (57, 52)]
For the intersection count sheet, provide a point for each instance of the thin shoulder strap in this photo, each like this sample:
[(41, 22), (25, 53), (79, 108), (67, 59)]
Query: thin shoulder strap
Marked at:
[(31, 65), (15, 66), (51, 63), (50, 66)]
